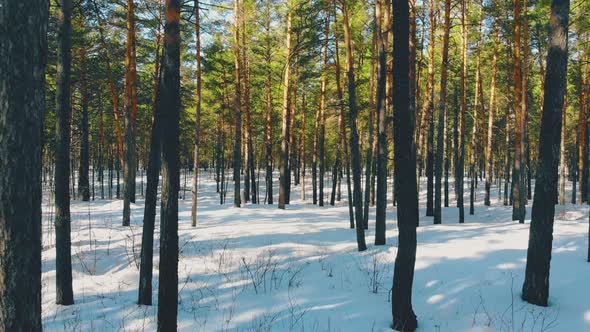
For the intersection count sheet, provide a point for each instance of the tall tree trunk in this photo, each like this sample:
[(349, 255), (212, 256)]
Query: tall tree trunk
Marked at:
[(372, 113), (112, 89), (341, 119), (151, 190), (474, 142), (562, 162), (488, 152), (380, 213), (463, 107), (354, 136), (322, 110), (169, 104), (237, 158), (197, 138), (284, 166), (428, 107), (536, 285), (582, 121), (268, 88), (250, 185), (129, 166), (22, 109), (404, 318), (83, 180), (518, 189), (442, 111), (63, 257)]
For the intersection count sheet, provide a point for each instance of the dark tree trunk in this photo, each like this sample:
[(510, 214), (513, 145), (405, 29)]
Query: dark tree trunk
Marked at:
[(442, 111), (23, 52), (83, 181), (237, 157), (536, 285), (404, 318), (268, 87), (380, 213), (63, 257), (354, 136), (169, 104), (151, 191)]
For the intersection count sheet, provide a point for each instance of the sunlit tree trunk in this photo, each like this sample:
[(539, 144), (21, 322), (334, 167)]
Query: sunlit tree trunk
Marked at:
[(284, 165), (237, 157), (197, 138), (492, 110)]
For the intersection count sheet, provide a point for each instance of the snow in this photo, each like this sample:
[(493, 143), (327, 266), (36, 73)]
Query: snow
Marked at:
[(258, 268)]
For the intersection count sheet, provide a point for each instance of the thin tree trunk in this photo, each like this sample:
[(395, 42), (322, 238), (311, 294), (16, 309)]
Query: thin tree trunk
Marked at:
[(535, 289), (268, 87), (83, 181), (518, 189), (343, 136), (237, 158), (562, 162), (474, 142), (380, 213), (284, 166), (428, 107), (442, 111), (354, 139), (151, 190), (322, 110), (463, 107), (129, 166), (488, 152), (63, 257), (197, 138)]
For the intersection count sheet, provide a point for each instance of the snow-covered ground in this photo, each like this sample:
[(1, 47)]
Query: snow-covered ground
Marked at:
[(258, 268)]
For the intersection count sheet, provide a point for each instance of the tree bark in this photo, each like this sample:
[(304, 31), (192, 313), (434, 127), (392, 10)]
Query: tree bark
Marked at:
[(83, 180), (404, 318), (63, 257), (354, 137), (23, 53), (492, 110), (237, 158), (129, 166), (536, 285), (380, 213), (169, 104), (518, 188), (442, 111), (284, 166), (151, 190)]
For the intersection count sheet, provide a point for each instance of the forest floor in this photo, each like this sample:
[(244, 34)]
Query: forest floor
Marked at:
[(258, 268)]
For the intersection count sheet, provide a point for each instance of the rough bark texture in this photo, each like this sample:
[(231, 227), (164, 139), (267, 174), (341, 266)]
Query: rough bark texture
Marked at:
[(63, 109), (536, 285), (169, 104), (23, 50), (404, 318)]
